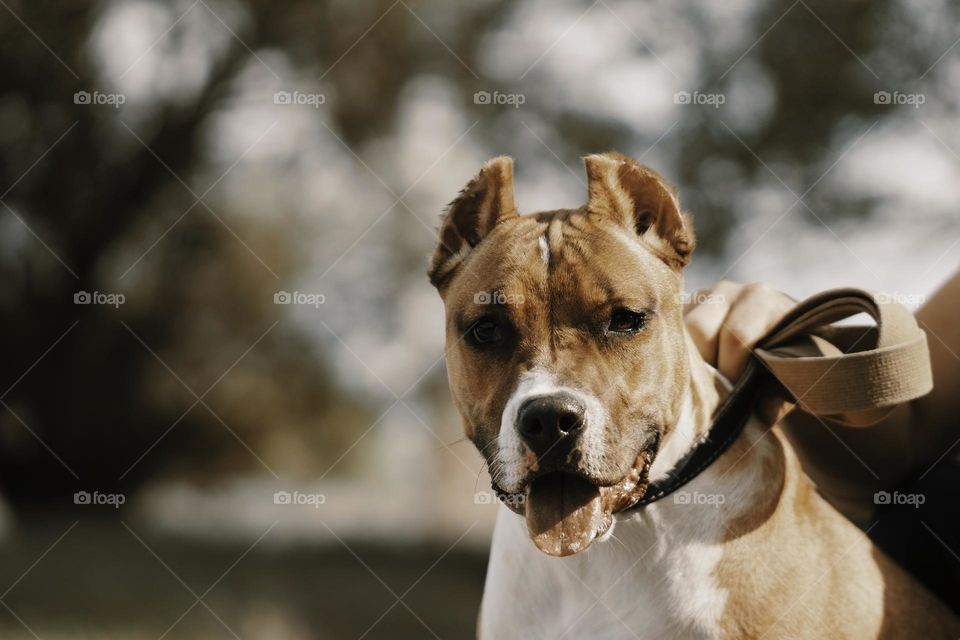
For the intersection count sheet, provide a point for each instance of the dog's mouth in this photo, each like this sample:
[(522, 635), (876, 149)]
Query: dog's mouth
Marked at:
[(566, 511)]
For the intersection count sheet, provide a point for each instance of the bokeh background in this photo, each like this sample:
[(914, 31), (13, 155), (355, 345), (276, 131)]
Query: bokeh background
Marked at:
[(173, 172)]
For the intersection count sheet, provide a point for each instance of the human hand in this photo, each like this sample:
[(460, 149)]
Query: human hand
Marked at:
[(726, 321)]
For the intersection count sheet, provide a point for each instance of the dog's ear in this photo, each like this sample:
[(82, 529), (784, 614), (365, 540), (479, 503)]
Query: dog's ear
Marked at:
[(481, 205), (625, 191)]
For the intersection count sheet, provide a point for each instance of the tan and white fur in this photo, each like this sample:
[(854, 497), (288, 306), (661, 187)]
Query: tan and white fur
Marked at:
[(748, 549)]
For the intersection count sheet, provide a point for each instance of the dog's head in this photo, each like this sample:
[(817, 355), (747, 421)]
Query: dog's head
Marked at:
[(565, 345)]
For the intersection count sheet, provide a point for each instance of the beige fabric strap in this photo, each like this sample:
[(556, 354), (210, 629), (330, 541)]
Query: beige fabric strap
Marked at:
[(832, 370)]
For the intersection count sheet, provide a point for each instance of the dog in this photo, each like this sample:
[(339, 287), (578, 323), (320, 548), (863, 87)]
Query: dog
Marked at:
[(569, 363)]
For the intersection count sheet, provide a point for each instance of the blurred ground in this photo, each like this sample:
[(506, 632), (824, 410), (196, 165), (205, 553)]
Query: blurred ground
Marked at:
[(102, 582)]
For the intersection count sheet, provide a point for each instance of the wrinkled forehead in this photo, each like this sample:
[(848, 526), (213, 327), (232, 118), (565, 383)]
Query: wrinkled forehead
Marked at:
[(565, 257)]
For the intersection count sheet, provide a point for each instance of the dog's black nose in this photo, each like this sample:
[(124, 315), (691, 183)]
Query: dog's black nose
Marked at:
[(545, 421)]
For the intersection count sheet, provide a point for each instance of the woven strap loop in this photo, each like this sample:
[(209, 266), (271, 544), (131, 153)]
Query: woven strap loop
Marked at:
[(844, 369)]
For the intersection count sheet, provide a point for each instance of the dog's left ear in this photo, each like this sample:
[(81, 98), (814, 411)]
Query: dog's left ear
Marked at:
[(484, 202), (636, 197)]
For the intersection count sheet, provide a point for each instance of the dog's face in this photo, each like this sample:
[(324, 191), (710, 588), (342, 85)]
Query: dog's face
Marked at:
[(565, 343)]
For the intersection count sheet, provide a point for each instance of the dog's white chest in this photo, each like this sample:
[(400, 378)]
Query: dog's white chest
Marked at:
[(639, 584)]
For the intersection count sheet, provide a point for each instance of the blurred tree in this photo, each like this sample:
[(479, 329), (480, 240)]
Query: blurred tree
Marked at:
[(92, 194)]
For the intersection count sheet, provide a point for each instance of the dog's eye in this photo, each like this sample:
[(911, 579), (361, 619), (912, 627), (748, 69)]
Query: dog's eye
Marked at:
[(624, 321), (485, 331)]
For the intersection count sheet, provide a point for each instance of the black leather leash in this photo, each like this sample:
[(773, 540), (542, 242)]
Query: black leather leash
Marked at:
[(894, 368)]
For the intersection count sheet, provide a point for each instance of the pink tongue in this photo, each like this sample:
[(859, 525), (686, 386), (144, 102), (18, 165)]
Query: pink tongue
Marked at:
[(564, 514)]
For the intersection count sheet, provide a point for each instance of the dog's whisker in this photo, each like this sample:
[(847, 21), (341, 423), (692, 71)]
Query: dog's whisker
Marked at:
[(486, 446), (450, 444), (498, 472), (479, 473)]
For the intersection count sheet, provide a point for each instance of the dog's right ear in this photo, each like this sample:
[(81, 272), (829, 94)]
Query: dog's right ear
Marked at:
[(636, 197), (481, 205)]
